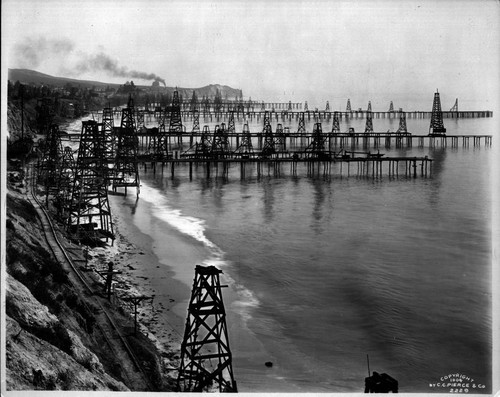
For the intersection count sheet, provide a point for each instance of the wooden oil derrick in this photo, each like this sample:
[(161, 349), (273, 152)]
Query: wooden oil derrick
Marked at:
[(289, 105), (327, 108), (89, 212), (139, 119), (206, 359), (348, 107), (455, 106), (193, 105), (126, 170), (108, 129), (301, 128), (280, 139), (231, 129), (306, 107), (369, 121), (220, 142), (402, 123), (175, 126), (196, 122), (245, 149), (65, 180), (268, 148), (158, 145), (391, 107), (204, 147), (436, 126), (316, 148), (369, 106), (49, 163), (336, 123)]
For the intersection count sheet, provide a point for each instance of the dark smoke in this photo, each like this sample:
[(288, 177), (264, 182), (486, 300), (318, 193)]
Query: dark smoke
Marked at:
[(102, 62), (32, 52)]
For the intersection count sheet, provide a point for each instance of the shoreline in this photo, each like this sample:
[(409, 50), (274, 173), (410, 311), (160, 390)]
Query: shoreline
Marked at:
[(161, 319)]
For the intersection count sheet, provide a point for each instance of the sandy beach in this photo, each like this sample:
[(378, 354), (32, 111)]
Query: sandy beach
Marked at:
[(166, 280)]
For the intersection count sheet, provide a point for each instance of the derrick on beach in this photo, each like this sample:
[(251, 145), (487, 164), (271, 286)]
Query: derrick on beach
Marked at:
[(61, 331)]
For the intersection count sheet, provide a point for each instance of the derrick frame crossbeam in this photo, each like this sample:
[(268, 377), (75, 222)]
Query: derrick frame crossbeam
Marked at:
[(220, 142), (317, 147), (336, 123), (369, 121), (89, 211), (126, 167), (50, 162), (206, 338), (402, 123), (436, 125), (246, 146)]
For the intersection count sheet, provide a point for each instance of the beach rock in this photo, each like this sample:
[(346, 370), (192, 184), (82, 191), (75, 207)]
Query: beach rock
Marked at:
[(269, 364)]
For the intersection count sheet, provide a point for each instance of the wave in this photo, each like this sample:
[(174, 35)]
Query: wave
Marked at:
[(196, 228)]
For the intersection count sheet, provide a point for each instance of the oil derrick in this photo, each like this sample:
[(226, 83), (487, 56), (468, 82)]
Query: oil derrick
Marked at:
[(108, 129), (327, 108), (89, 211), (139, 119), (348, 107), (230, 126), (206, 359), (196, 122), (246, 147), (65, 180), (289, 105), (263, 106), (48, 166), (193, 106), (204, 147), (126, 170), (402, 123), (316, 148), (369, 122), (306, 107), (268, 148), (335, 124), (301, 129), (455, 106), (437, 127), (158, 143), (280, 140), (220, 142), (391, 108), (175, 127), (369, 106)]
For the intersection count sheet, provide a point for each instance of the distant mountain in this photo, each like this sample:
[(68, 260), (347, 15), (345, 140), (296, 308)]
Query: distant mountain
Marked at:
[(28, 76)]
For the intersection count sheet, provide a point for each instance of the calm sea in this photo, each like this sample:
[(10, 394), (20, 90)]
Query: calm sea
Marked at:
[(325, 271)]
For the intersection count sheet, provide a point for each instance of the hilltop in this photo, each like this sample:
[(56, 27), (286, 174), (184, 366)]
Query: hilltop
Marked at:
[(32, 77)]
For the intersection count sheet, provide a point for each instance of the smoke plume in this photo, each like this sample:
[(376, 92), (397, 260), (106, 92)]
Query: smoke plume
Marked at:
[(102, 62), (31, 53)]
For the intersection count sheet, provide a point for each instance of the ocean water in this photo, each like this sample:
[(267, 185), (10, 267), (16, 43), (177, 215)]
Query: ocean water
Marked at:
[(325, 271)]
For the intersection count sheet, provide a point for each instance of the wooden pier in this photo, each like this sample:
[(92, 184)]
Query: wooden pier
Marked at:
[(344, 140), (345, 164)]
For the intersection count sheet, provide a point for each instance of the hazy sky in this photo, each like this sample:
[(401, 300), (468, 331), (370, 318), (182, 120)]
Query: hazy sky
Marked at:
[(273, 50)]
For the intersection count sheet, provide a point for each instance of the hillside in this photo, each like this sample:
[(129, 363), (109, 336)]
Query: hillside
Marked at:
[(27, 76)]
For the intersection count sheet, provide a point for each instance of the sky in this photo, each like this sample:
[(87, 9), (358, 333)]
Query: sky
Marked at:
[(278, 51)]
